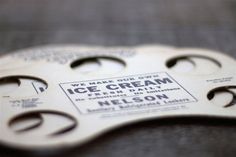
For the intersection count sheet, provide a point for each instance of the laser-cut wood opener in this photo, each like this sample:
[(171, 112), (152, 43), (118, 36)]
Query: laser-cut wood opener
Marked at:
[(65, 95)]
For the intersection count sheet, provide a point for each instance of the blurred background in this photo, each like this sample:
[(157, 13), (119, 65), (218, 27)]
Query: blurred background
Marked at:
[(183, 23), (196, 23)]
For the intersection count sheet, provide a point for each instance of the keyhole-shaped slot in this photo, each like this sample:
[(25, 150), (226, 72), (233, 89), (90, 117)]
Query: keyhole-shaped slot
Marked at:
[(197, 65), (17, 86), (104, 65)]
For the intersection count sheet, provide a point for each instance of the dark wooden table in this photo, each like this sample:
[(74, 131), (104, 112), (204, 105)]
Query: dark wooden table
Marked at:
[(183, 23)]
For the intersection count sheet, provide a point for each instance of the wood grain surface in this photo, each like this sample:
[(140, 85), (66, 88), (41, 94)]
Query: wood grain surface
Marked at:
[(184, 23)]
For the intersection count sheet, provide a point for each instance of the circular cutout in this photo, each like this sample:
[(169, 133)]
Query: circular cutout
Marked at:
[(43, 123), (223, 97), (105, 65), (193, 64), (26, 122), (16, 86), (8, 85)]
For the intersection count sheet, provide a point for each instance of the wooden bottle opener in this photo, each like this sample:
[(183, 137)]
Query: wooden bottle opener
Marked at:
[(65, 95)]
